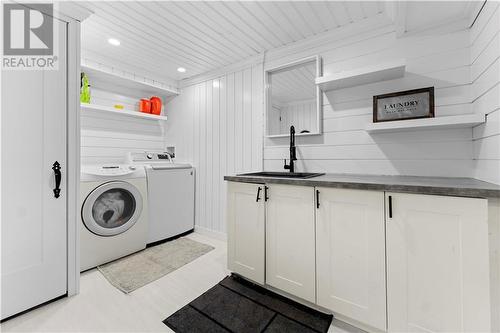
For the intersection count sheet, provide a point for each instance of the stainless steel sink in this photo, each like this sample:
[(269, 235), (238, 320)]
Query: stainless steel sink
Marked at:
[(301, 175)]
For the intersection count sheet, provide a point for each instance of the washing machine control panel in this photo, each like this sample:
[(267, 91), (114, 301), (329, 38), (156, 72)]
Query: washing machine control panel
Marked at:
[(116, 169), (109, 170), (149, 156)]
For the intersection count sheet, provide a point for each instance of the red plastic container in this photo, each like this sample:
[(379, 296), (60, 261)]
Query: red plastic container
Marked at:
[(145, 105), (156, 105)]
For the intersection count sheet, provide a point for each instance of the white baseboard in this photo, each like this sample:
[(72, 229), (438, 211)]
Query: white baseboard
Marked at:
[(211, 233)]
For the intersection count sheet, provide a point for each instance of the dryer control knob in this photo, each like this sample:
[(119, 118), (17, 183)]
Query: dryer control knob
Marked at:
[(149, 156), (132, 167)]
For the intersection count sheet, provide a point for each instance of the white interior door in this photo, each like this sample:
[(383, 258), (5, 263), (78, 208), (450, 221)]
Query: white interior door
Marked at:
[(33, 124), (290, 240), (437, 264), (245, 230), (350, 255)]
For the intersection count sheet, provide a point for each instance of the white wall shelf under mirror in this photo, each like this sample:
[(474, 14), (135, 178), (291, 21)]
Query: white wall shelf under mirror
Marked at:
[(100, 108), (380, 72), (292, 98), (461, 121)]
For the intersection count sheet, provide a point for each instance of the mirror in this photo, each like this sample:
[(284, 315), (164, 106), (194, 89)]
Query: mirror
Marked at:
[(293, 98)]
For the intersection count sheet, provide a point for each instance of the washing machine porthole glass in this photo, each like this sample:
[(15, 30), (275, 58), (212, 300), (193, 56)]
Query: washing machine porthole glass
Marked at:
[(113, 208)]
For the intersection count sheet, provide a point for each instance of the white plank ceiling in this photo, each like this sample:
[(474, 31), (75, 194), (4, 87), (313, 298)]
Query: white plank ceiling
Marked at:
[(201, 36), (158, 37)]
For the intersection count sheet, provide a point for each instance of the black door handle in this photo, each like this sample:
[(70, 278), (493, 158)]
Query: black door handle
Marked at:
[(258, 194), (317, 199), (390, 206), (57, 175), (266, 197)]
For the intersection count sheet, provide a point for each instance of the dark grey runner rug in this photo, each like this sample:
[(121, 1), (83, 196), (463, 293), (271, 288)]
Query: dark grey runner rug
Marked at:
[(236, 305)]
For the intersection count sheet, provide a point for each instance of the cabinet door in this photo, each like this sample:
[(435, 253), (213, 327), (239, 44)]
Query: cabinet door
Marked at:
[(437, 264), (350, 243), (290, 245), (245, 226)]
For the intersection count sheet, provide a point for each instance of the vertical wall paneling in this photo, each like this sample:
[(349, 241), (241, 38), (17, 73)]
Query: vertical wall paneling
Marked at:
[(226, 115), (300, 114), (485, 75)]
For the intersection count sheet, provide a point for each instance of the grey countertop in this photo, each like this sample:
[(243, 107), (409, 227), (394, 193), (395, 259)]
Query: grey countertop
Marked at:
[(463, 187)]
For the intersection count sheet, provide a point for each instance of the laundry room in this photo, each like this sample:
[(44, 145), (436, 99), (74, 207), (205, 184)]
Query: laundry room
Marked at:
[(250, 166)]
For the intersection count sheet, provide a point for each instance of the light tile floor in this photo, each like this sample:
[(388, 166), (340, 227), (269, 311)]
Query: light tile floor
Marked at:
[(100, 307)]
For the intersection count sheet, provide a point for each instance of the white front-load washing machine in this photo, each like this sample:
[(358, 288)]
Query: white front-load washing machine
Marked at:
[(114, 214)]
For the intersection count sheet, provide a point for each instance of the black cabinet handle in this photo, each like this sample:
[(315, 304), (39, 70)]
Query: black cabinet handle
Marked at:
[(266, 197), (57, 175), (317, 199), (258, 194), (390, 206)]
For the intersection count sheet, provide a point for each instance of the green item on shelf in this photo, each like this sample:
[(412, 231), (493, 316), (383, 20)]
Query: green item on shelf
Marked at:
[(84, 88)]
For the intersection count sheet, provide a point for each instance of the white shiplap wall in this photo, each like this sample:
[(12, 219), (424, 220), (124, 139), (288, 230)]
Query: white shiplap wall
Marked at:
[(440, 59), (107, 137), (485, 75), (220, 129), (217, 125)]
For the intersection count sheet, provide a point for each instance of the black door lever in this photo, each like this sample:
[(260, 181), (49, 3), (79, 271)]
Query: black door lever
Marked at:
[(57, 175)]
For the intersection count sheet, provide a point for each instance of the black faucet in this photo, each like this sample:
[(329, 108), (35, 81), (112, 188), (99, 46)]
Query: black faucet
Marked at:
[(293, 155)]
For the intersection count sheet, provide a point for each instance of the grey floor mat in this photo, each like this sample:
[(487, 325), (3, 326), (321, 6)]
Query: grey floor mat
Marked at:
[(236, 305), (137, 270)]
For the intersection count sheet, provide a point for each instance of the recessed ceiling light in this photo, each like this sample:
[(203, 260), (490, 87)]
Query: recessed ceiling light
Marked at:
[(181, 70), (114, 41)]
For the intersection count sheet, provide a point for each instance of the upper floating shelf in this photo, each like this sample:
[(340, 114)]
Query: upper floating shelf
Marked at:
[(115, 81), (370, 74), (467, 120), (130, 113)]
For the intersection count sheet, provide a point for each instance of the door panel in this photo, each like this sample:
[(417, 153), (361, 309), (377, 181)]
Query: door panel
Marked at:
[(437, 264), (33, 220), (290, 250), (245, 223), (350, 238)]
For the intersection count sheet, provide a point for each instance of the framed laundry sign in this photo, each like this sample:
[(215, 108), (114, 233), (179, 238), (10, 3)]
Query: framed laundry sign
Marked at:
[(409, 104)]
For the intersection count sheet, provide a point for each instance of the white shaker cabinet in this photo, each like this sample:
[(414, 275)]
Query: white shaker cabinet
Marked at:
[(245, 225), (350, 250), (290, 240), (437, 264)]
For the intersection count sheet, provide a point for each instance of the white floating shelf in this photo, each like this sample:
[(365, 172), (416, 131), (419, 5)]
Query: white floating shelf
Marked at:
[(370, 74), (100, 108), (468, 120), (119, 82)]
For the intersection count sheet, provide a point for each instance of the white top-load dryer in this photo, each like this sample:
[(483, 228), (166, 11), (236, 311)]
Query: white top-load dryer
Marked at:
[(170, 195)]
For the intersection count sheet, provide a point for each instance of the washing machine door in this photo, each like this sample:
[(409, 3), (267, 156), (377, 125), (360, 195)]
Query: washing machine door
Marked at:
[(112, 208)]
